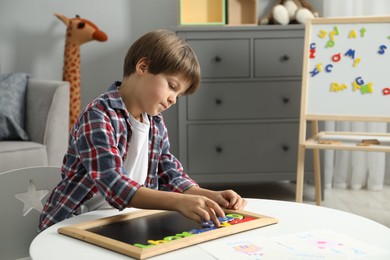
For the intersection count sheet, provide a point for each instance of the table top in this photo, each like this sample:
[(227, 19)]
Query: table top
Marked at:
[(294, 219)]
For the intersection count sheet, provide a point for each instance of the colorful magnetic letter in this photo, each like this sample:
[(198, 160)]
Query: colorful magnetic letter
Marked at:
[(336, 57), (331, 35), (359, 81), (314, 72), (350, 53), (366, 88), (335, 87), (336, 29), (328, 68), (356, 62), (362, 32), (235, 216), (322, 34), (352, 34), (382, 49), (207, 224), (330, 43)]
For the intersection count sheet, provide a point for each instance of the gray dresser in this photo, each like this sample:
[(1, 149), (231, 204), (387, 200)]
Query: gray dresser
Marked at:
[(243, 123)]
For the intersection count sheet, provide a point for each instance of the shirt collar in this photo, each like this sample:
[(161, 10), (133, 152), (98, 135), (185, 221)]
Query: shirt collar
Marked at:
[(115, 97), (117, 102)]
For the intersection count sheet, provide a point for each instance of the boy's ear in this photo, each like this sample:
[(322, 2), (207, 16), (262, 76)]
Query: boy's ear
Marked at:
[(142, 65)]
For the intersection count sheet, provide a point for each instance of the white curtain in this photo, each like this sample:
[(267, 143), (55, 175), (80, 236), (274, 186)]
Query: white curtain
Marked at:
[(356, 170)]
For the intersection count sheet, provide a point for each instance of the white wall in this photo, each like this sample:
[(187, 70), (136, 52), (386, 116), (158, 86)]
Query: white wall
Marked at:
[(32, 39)]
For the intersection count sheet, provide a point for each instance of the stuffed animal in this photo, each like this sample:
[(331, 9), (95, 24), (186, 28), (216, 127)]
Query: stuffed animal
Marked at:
[(78, 32), (289, 12)]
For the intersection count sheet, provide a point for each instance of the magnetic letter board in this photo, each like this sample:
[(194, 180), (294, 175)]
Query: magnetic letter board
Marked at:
[(145, 233), (346, 68), (345, 77)]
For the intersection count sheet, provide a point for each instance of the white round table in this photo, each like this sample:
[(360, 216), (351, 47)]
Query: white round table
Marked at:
[(294, 218)]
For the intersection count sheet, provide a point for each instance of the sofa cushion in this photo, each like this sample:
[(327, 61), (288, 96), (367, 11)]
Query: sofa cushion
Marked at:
[(12, 109), (21, 154)]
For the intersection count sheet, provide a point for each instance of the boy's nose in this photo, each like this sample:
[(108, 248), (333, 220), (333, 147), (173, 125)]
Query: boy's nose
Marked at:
[(172, 100)]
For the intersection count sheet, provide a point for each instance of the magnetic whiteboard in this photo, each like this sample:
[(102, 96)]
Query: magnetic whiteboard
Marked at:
[(346, 70)]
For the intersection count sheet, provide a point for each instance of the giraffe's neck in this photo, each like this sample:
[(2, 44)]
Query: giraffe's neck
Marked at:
[(71, 73), (71, 69)]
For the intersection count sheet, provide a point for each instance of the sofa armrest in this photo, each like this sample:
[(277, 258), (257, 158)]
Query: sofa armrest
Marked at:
[(47, 116)]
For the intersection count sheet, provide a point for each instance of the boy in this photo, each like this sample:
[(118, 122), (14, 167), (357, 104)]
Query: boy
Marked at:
[(118, 154)]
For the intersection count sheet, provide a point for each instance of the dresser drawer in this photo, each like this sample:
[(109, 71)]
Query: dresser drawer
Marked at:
[(278, 57), (233, 148), (245, 100), (219, 58)]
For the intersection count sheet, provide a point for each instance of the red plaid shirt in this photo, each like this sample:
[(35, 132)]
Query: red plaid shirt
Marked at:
[(97, 148)]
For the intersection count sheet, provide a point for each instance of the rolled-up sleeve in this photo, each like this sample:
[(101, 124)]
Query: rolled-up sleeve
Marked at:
[(170, 171)]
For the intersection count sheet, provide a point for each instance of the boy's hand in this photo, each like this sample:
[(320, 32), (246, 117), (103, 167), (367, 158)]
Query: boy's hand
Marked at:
[(199, 208), (229, 199)]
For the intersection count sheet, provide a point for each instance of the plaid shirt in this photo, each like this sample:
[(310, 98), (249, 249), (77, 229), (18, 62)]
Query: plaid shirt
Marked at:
[(97, 148)]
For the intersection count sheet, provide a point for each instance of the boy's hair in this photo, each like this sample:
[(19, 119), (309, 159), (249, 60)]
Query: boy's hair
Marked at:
[(166, 53)]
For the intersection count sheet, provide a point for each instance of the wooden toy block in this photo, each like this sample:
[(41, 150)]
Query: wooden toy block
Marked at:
[(330, 142), (368, 142)]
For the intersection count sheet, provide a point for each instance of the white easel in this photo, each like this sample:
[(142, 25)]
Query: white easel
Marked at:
[(346, 77)]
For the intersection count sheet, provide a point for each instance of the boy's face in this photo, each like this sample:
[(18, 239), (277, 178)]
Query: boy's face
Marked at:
[(160, 91)]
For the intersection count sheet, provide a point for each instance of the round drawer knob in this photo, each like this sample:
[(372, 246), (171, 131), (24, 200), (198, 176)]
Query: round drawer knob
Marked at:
[(285, 147), (217, 59), (286, 100), (218, 149), (284, 58), (218, 101)]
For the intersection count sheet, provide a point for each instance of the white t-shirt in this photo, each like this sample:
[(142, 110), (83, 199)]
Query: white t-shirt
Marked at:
[(136, 163)]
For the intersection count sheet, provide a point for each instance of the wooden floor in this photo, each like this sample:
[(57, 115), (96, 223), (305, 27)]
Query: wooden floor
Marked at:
[(374, 205)]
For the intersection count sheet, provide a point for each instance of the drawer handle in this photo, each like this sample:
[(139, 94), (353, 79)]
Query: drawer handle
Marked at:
[(285, 147), (218, 101), (218, 149), (284, 58), (286, 100), (218, 59)]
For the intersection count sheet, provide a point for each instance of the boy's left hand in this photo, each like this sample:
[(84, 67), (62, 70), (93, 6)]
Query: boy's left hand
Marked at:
[(229, 199)]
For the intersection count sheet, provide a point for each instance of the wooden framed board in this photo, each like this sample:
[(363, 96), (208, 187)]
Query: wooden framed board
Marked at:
[(345, 77), (346, 72), (145, 233)]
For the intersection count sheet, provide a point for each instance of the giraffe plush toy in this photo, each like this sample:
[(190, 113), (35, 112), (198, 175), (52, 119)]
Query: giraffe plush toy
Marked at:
[(78, 31)]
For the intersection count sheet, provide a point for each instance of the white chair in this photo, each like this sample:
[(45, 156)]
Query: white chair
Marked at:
[(23, 192)]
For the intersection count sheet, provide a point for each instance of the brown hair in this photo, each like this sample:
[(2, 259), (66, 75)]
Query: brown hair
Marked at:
[(166, 53)]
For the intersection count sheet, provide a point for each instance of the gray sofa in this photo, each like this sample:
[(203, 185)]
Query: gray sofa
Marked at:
[(46, 123)]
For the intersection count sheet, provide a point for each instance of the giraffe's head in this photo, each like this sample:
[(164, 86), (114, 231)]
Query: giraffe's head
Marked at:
[(80, 30)]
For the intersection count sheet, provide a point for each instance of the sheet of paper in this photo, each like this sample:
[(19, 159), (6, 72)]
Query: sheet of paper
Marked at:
[(311, 245)]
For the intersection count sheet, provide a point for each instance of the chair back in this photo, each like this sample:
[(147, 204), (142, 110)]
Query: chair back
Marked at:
[(23, 192)]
